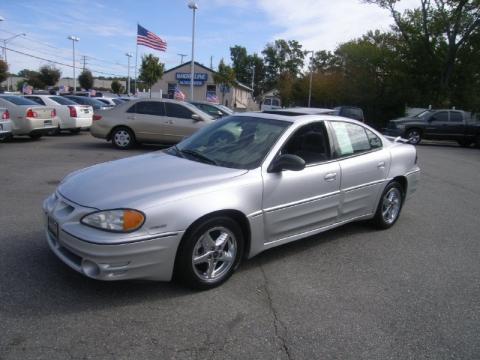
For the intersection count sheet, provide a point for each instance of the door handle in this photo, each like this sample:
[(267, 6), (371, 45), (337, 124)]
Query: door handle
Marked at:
[(130, 117), (381, 165), (331, 177)]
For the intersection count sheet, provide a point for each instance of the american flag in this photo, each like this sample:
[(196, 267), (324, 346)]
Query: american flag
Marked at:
[(147, 38), (179, 95), (212, 97)]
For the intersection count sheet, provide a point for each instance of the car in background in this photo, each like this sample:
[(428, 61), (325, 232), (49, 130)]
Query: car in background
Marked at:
[(297, 111), (110, 101), (441, 124), (84, 100), (72, 116), (5, 124), (197, 210), (270, 103), (29, 118), (214, 110), (150, 121), (351, 112)]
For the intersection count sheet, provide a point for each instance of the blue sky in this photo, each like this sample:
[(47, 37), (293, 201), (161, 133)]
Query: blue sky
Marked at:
[(107, 29)]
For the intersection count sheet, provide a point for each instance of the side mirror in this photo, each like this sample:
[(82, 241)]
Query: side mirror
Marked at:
[(196, 117), (219, 113), (287, 162)]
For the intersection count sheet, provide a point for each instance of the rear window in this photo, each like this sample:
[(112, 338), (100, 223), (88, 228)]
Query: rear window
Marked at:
[(17, 100), (62, 101)]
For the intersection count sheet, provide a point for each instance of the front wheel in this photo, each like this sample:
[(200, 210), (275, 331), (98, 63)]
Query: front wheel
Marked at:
[(123, 138), (209, 253), (414, 136), (389, 207)]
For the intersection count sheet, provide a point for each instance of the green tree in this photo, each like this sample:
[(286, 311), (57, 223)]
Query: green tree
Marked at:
[(117, 87), (49, 75), (151, 71), (241, 64), (85, 80), (280, 57), (438, 38), (33, 78), (225, 77), (3, 71)]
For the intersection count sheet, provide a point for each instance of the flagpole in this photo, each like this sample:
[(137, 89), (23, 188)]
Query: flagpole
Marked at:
[(136, 61)]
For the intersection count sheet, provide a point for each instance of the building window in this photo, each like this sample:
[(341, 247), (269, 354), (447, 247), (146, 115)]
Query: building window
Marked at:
[(171, 90)]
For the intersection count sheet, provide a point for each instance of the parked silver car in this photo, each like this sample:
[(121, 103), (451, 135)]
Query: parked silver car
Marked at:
[(196, 209), (72, 116), (149, 121), (29, 118), (5, 124)]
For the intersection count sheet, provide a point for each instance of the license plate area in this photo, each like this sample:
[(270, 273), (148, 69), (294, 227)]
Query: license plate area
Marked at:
[(53, 227), (47, 123)]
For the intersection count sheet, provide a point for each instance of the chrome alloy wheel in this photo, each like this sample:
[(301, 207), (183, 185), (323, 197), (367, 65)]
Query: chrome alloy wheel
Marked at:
[(414, 137), (122, 138), (391, 204), (214, 253)]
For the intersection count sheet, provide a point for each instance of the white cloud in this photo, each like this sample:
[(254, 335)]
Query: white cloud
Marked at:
[(324, 24)]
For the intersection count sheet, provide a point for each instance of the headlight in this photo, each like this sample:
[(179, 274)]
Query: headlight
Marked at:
[(119, 220)]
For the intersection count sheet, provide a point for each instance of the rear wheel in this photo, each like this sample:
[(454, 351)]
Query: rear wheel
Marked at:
[(389, 207), (209, 253), (414, 136), (123, 138)]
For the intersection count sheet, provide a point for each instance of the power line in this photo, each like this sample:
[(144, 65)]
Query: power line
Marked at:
[(59, 63)]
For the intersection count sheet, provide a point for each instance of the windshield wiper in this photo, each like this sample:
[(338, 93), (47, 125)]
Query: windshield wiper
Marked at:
[(198, 155)]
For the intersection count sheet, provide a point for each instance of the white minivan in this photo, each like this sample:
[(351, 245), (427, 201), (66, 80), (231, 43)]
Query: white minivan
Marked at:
[(271, 103)]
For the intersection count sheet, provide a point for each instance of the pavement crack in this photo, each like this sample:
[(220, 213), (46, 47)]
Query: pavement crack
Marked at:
[(279, 327)]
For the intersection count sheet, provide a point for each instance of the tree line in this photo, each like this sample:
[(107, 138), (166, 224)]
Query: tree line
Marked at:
[(431, 56)]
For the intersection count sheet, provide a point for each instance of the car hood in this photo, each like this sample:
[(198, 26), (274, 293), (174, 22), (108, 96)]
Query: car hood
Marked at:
[(140, 181), (406, 120)]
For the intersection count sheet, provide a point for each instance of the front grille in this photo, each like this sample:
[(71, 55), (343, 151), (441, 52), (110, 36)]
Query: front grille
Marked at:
[(74, 258)]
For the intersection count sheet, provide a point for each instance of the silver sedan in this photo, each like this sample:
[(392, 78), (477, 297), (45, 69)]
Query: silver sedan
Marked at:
[(195, 210)]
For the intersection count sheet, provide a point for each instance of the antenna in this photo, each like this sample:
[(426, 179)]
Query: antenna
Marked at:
[(181, 57)]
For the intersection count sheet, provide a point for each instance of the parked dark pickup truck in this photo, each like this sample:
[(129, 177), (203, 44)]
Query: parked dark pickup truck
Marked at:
[(437, 125)]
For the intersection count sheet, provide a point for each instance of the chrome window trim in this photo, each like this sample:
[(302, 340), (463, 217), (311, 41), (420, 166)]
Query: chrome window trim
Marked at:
[(300, 202)]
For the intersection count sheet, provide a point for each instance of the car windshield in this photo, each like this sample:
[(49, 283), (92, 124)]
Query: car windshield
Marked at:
[(239, 142), (62, 101), (225, 109), (17, 100)]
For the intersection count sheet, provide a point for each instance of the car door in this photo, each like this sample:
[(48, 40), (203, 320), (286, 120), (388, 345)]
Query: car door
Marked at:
[(298, 202), (364, 165), (147, 119), (456, 126), (179, 122), (437, 125)]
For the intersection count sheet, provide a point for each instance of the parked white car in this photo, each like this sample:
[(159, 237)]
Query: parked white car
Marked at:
[(110, 101), (5, 124), (72, 116), (29, 118)]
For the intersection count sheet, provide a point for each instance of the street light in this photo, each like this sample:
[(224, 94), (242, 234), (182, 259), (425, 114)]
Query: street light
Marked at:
[(192, 5), (311, 72), (74, 39), (129, 55), (5, 51)]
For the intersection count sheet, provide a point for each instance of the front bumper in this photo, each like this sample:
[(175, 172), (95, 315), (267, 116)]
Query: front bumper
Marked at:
[(412, 181), (151, 257)]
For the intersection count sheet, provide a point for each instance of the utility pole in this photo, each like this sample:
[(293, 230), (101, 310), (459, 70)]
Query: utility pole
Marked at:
[(311, 74), (84, 60), (253, 78), (74, 39), (211, 62), (193, 6), (129, 55), (181, 57)]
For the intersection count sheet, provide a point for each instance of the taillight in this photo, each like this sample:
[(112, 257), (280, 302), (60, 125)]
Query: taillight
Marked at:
[(53, 113), (73, 111), (6, 115), (31, 113), (96, 117)]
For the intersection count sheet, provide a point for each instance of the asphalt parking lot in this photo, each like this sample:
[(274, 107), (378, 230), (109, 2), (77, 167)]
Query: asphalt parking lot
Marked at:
[(411, 292)]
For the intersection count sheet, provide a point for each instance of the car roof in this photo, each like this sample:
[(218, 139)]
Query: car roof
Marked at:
[(302, 110)]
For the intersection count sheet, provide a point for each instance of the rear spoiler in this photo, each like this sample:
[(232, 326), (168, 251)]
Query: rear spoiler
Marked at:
[(397, 139)]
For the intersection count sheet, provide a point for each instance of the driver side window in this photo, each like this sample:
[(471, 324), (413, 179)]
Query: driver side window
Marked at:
[(310, 143)]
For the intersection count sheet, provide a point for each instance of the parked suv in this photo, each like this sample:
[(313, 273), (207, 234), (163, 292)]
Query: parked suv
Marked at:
[(150, 121), (443, 124)]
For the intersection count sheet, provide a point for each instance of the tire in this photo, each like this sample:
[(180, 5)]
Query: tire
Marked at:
[(35, 136), (198, 263), (75, 131), (123, 138), (465, 143), (55, 132), (389, 206), (221, 138), (414, 136)]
